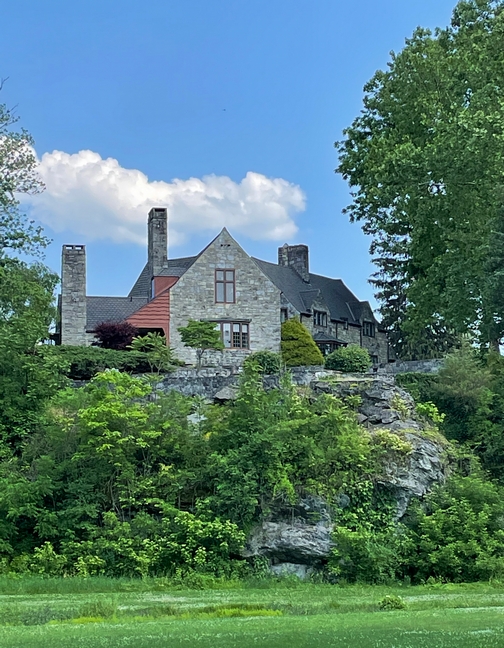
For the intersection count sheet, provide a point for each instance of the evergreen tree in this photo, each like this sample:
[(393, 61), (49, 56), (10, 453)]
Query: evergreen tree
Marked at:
[(298, 346)]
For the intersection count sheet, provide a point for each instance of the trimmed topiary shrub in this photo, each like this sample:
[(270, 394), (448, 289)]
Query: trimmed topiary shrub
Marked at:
[(267, 361), (298, 346), (350, 359), (86, 362)]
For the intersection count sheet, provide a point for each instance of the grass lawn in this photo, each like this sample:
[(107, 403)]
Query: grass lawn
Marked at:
[(147, 614)]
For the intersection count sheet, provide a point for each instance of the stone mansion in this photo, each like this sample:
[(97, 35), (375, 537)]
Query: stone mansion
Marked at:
[(246, 298)]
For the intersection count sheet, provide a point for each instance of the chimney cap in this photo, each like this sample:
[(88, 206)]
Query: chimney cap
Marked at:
[(158, 212)]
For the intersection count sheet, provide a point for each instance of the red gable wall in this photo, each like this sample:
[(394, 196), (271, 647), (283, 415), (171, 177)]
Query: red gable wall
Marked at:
[(156, 314)]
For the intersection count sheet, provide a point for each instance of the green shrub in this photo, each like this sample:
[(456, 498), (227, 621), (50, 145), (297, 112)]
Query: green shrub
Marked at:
[(350, 359), (420, 386), (267, 362), (391, 602), (298, 346), (369, 555), (458, 532), (86, 362)]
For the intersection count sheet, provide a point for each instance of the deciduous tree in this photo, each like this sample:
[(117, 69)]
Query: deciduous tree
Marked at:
[(424, 160), (200, 336)]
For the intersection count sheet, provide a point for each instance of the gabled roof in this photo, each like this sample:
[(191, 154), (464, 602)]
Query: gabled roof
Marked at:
[(342, 303), (111, 309), (174, 268)]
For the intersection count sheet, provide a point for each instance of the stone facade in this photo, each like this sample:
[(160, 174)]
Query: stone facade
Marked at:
[(169, 292), (376, 344), (73, 309), (256, 302)]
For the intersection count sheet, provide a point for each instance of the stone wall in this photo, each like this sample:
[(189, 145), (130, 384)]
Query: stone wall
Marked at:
[(415, 366), (257, 300)]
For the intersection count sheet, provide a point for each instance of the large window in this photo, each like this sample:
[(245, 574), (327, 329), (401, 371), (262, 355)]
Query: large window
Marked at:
[(235, 335), (225, 286), (368, 329), (319, 318)]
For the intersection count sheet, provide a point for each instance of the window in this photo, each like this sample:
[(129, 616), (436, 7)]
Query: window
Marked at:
[(345, 323), (319, 318), (284, 315), (225, 286), (327, 347), (368, 329), (235, 335), (374, 359)]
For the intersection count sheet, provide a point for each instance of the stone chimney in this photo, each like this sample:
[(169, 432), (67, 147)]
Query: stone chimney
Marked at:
[(157, 235), (295, 257), (73, 295)]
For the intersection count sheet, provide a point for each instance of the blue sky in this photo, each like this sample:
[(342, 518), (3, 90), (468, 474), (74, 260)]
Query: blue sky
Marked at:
[(241, 102)]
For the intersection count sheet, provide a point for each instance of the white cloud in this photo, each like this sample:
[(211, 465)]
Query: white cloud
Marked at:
[(99, 199)]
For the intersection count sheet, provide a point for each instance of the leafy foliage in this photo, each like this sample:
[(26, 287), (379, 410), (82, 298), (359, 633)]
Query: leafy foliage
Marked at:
[(297, 345), (28, 375), (425, 165), (459, 534), (200, 336), (83, 363), (269, 363), (157, 352), (392, 602), (350, 359), (115, 335), (18, 175)]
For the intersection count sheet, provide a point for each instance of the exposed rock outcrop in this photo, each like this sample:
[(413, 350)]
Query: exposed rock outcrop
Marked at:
[(300, 538), (305, 539)]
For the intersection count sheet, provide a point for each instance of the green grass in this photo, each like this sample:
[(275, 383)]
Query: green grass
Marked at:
[(111, 613)]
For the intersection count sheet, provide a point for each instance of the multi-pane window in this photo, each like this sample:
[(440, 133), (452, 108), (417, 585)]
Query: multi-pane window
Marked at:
[(235, 335), (225, 286), (320, 318), (368, 329)]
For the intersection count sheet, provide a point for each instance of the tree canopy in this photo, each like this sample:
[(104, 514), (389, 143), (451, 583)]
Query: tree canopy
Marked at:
[(201, 336), (424, 160), (27, 375), (18, 175)]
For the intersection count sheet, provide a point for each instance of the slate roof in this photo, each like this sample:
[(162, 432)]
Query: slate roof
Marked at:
[(174, 268), (319, 336), (342, 303), (111, 309)]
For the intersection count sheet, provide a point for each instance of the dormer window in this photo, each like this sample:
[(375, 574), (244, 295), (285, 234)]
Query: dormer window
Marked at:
[(368, 329), (224, 286), (320, 318)]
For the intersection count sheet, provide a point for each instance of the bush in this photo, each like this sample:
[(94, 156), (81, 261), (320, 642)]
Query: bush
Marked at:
[(350, 359), (391, 602), (115, 335), (458, 532), (267, 362), (86, 362), (298, 346)]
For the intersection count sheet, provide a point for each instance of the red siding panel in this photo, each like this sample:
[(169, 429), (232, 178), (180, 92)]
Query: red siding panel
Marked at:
[(155, 314)]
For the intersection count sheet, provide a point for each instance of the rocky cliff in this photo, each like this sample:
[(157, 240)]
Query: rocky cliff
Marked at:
[(298, 544)]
